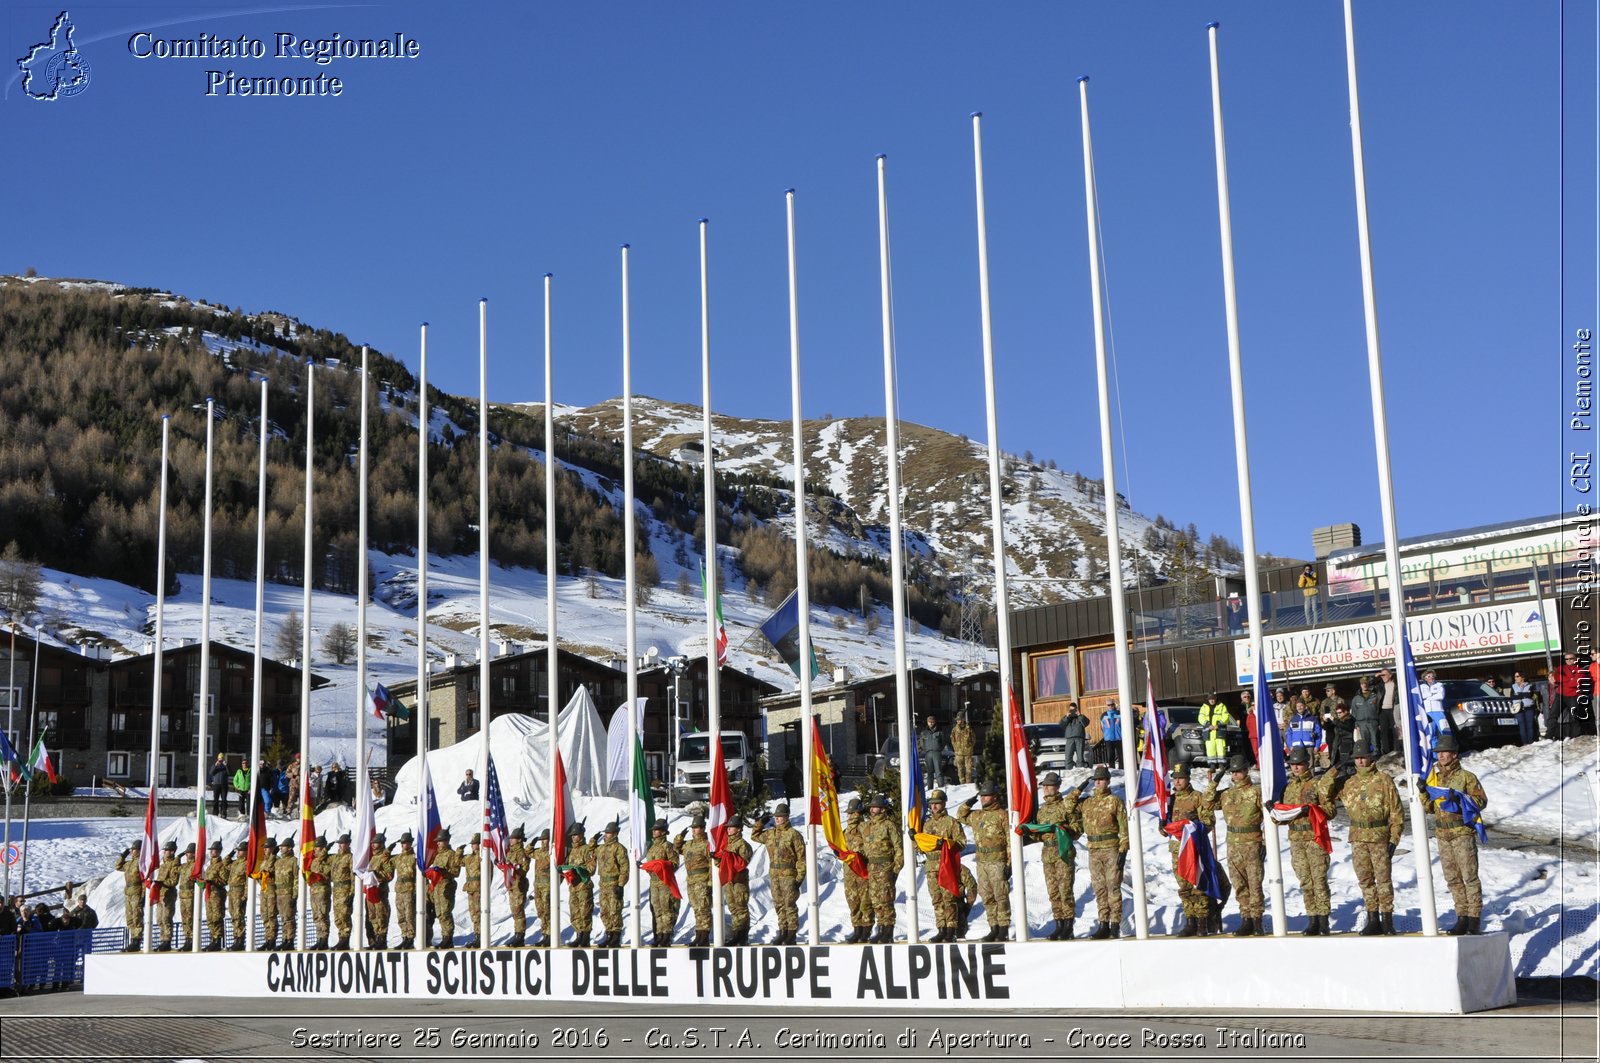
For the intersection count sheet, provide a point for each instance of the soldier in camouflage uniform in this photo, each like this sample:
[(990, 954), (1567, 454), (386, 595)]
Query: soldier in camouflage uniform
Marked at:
[(541, 886), (663, 905), (238, 896), (962, 744), (855, 887), (167, 877), (133, 891), (1310, 860), (405, 891), (286, 884), (786, 871), (1376, 820), (736, 891), (946, 905), (267, 896), (880, 848), (1458, 843), (1188, 803), (580, 889), (376, 918), (186, 895), (518, 857), (472, 864), (342, 884), (991, 831), (1059, 812), (1240, 805), (320, 889), (695, 852), (1105, 831), (611, 865), (215, 891), (969, 897), (445, 868)]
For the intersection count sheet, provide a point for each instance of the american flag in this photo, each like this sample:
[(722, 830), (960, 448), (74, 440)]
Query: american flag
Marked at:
[(496, 837)]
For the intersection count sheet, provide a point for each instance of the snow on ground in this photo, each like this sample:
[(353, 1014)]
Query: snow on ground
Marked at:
[(1543, 896)]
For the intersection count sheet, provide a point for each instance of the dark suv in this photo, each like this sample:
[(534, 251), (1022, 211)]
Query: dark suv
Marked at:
[(1186, 739), (1479, 713)]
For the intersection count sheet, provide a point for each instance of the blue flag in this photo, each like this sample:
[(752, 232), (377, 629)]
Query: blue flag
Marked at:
[(428, 839), (8, 752), (1418, 722), (916, 812), (1269, 743), (1459, 803), (1197, 861), (782, 629)]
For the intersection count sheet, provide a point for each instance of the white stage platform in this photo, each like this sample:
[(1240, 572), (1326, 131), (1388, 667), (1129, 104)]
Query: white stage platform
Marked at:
[(1408, 974)]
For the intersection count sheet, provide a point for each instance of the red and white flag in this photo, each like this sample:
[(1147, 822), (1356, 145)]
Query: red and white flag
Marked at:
[(149, 858), (361, 843), (1021, 762), (720, 814)]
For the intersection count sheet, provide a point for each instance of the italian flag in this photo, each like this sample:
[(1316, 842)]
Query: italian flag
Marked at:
[(197, 869), (642, 808), (722, 629), (39, 759)]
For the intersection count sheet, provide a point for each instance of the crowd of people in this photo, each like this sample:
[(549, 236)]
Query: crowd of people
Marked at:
[(280, 785)]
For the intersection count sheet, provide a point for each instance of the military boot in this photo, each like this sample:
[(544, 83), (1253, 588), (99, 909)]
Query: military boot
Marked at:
[(1102, 930), (405, 943), (1003, 932), (1190, 928), (343, 945), (1460, 927), (1387, 918), (1115, 928), (1472, 925), (1312, 929), (1244, 930), (1372, 927), (1066, 930), (238, 945)]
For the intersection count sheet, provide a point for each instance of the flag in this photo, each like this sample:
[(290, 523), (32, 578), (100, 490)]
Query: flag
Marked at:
[(1456, 802), (384, 706), (198, 867), (1417, 720), (258, 847), (917, 810), (721, 799), (1268, 743), (722, 631), (362, 839), (1152, 792), (308, 831), (950, 867), (729, 865), (663, 870), (496, 834), (1283, 813), (825, 806), (641, 805), (1021, 762), (39, 760), (560, 814), (8, 753), (782, 629), (1197, 862), (428, 825), (149, 859)]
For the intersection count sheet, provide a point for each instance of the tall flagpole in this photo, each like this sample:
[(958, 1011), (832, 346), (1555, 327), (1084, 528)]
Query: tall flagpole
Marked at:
[(11, 729), (485, 883), (1241, 447), (256, 685), (201, 763), (1119, 604), (420, 717), (639, 832), (155, 663), (358, 895), (1380, 431), (1019, 891), (897, 558), (27, 791), (713, 569), (808, 723), (552, 932), (305, 655)]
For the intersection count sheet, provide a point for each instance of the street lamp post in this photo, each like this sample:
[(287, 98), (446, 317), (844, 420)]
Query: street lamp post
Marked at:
[(877, 745)]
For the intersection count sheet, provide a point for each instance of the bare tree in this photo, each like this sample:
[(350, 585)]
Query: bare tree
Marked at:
[(20, 583), (339, 643), (290, 634)]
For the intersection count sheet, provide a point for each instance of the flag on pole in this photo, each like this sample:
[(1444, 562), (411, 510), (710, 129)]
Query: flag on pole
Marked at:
[(1268, 742), (782, 629), (917, 810), (1152, 793), (1197, 861), (1417, 719), (197, 868), (1319, 821), (308, 831), (641, 805), (825, 805), (496, 834), (722, 630), (560, 814), (39, 760), (8, 753), (720, 799), (428, 827), (384, 706), (1021, 762), (149, 859), (362, 840), (258, 847)]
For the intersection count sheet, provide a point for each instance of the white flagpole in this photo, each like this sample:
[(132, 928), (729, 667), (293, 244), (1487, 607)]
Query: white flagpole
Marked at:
[(1380, 430), (713, 569), (808, 723), (485, 883), (358, 897), (420, 716), (11, 731), (197, 909), (252, 769), (155, 664), (639, 832), (1119, 604), (552, 932), (1252, 575), (1019, 891), (27, 792), (897, 560), (305, 656)]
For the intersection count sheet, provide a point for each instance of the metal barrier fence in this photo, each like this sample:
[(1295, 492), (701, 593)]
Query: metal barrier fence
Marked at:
[(52, 959)]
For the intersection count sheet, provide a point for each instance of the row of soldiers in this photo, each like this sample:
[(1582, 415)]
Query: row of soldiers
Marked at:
[(598, 868)]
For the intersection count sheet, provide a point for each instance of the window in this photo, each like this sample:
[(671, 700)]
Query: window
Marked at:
[(119, 721), (48, 720), (1100, 669), (10, 697), (1052, 675), (117, 765)]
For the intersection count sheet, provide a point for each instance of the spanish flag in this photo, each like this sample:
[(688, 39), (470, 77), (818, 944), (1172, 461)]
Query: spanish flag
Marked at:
[(825, 805)]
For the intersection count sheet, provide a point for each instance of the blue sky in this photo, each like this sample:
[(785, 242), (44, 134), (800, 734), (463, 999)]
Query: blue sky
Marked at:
[(535, 137)]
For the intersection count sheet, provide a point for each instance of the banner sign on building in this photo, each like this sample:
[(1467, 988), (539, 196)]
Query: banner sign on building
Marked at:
[(1504, 629), (1466, 562)]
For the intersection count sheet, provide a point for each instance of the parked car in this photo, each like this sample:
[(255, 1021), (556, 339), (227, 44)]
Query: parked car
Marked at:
[(1479, 713), (692, 781), (1048, 746), (1186, 740)]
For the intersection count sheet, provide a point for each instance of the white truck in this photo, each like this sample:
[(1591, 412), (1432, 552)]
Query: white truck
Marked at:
[(691, 779)]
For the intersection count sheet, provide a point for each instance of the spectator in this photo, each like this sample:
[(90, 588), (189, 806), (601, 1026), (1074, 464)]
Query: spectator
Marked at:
[(241, 786), (1341, 738), (468, 790), (1283, 707), (1366, 710), (333, 785), (1571, 692), (1527, 702), (292, 781), (1308, 584), (315, 784), (379, 799), (1235, 615), (1111, 736), (1073, 728), (8, 917), (1432, 692), (930, 750), (218, 780), (1389, 708)]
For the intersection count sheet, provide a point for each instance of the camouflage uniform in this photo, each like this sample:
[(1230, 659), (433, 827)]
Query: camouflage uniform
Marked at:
[(215, 892), (580, 891), (405, 892), (541, 888), (1186, 804), (321, 895), (133, 892), (695, 852), (786, 871), (238, 897), (946, 905), (1240, 805), (1060, 876), (880, 847), (342, 880), (267, 896), (663, 905), (1310, 860), (167, 877), (186, 893), (962, 743), (736, 892), (286, 883), (472, 864), (1105, 831), (855, 887), (382, 867), (442, 891), (518, 857), (991, 832), (1458, 845), (1376, 820), (611, 865)]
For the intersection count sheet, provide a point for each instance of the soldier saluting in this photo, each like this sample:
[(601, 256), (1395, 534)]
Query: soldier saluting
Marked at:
[(1105, 830), (1375, 824), (132, 894), (786, 870), (1058, 822), (991, 831), (880, 847), (695, 850), (1240, 805)]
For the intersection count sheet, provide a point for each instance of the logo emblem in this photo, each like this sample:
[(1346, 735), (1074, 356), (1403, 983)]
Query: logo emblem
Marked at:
[(55, 69)]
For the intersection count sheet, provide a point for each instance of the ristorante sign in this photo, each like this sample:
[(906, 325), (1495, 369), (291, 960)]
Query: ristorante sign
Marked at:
[(1479, 633)]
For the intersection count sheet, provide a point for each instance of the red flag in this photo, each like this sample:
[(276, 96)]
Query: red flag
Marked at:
[(825, 806), (560, 815), (308, 833), (729, 865), (1319, 821), (663, 870), (1021, 763), (950, 868), (256, 847), (149, 857), (721, 799)]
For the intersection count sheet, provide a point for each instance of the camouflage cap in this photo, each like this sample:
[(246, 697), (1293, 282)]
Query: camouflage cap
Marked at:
[(1446, 744), (1238, 762), (986, 789), (1102, 772), (938, 796), (1298, 755), (1050, 779)]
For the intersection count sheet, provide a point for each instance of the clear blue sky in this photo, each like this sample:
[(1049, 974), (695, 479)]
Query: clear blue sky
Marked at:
[(535, 137)]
